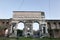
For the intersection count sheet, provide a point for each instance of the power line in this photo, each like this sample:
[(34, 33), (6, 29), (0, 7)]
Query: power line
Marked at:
[(21, 4), (49, 7)]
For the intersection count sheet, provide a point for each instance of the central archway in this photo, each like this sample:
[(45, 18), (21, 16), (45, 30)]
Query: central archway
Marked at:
[(20, 28)]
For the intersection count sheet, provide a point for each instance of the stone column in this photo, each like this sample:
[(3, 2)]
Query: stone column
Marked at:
[(40, 29), (8, 30), (11, 28), (25, 30), (11, 31), (58, 26), (46, 29), (15, 31), (53, 26), (31, 29), (28, 25)]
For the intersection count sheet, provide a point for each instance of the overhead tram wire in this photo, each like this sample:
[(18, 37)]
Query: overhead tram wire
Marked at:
[(21, 4), (49, 8)]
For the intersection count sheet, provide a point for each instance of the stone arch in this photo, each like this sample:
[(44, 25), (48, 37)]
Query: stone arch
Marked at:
[(6, 32), (36, 23), (13, 25), (21, 21), (20, 28), (36, 29), (21, 24), (28, 31), (27, 18)]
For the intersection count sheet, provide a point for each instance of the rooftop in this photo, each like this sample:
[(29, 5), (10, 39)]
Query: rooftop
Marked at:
[(27, 11)]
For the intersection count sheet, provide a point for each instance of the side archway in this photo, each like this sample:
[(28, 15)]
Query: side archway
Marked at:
[(36, 29), (35, 26)]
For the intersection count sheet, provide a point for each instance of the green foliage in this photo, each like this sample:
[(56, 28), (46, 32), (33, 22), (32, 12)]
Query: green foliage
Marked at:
[(25, 38), (2, 27)]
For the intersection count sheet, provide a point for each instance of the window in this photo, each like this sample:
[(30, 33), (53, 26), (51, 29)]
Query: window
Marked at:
[(59, 24), (42, 14), (3, 22), (7, 22), (55, 25)]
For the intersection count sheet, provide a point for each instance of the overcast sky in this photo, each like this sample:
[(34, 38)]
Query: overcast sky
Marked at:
[(50, 7)]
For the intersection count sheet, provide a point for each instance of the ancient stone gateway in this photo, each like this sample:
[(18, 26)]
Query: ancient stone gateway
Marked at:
[(28, 18)]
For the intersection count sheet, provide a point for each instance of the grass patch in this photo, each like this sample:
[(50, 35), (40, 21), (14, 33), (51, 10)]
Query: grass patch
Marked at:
[(24, 38)]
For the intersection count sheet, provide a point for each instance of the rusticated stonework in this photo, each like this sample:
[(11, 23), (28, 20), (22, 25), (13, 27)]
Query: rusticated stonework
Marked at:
[(47, 27)]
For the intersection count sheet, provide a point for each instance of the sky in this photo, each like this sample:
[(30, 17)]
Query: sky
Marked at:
[(50, 7)]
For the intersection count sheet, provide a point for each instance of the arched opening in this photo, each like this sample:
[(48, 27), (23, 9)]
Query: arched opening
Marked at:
[(20, 28), (36, 29), (35, 26), (6, 32)]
